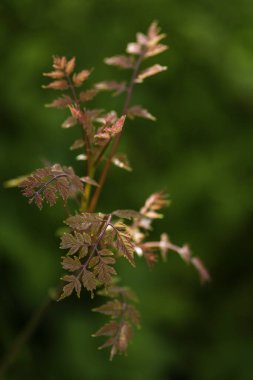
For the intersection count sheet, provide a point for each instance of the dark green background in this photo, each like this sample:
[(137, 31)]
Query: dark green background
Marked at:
[(200, 150)]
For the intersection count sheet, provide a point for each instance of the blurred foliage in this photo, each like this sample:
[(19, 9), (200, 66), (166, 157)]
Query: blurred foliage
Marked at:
[(200, 149)]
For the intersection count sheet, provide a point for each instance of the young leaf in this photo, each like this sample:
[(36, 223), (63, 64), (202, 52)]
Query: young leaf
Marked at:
[(62, 102), (117, 87), (69, 122), (121, 161), (109, 329), (57, 85), (113, 308), (122, 61), (87, 95), (138, 111), (79, 78), (57, 74), (70, 66), (155, 69), (127, 214)]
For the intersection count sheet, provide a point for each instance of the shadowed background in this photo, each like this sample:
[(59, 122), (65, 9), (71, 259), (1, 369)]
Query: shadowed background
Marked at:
[(200, 150)]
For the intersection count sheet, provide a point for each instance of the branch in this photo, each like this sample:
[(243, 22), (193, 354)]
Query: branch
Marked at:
[(106, 168)]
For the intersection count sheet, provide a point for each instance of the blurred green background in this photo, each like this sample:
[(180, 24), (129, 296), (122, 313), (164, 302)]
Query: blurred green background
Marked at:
[(200, 150)]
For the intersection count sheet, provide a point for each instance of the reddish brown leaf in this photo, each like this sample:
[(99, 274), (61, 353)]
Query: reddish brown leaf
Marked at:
[(122, 162), (79, 78), (122, 61), (155, 69), (70, 66), (57, 85), (89, 280), (108, 329), (71, 264), (87, 95), (69, 122), (89, 180), (125, 335), (125, 246), (55, 74), (59, 63), (138, 111), (113, 308), (74, 283), (155, 50), (117, 87), (61, 102), (77, 144), (127, 214), (134, 48)]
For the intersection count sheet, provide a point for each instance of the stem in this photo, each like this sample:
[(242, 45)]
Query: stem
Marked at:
[(106, 168), (24, 335), (106, 224), (87, 144), (47, 183)]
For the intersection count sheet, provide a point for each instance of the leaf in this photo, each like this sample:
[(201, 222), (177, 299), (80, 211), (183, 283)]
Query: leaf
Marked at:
[(138, 111), (122, 61), (116, 291), (50, 182), (155, 50), (77, 144), (77, 113), (155, 202), (71, 264), (109, 131), (61, 102), (113, 308), (104, 272), (57, 74), (134, 48), (133, 315), (67, 290), (127, 214), (80, 77), (84, 220), (117, 87), (125, 246), (90, 181), (125, 335), (153, 70), (74, 242), (109, 329), (69, 122), (70, 66), (89, 280), (122, 162), (57, 85), (59, 63), (93, 261), (87, 95)]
